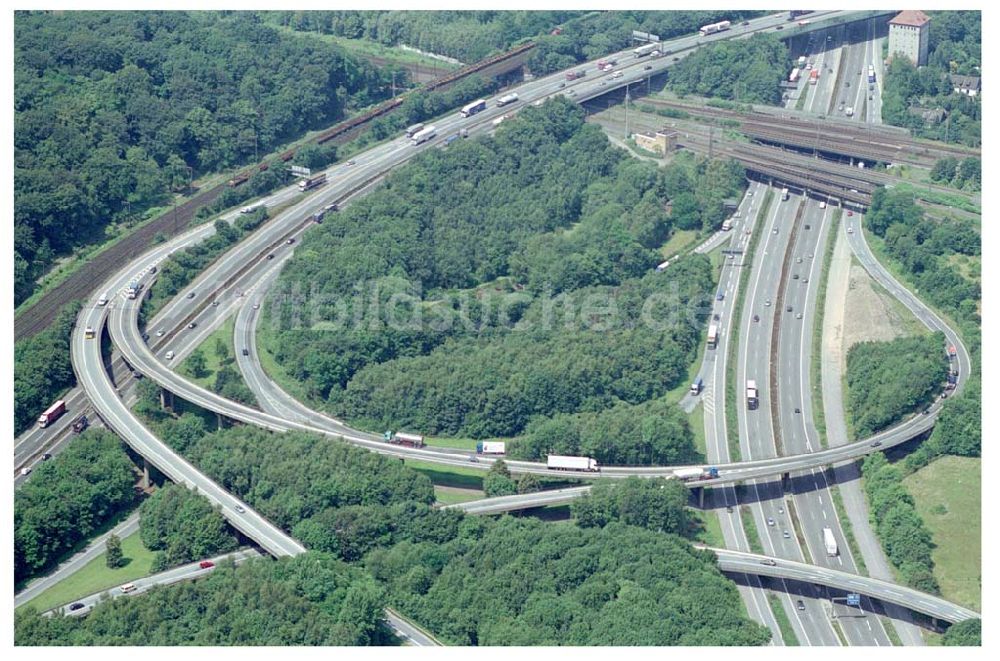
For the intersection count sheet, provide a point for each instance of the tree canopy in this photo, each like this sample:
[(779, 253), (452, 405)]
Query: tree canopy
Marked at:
[(888, 380), (183, 527), (745, 70), (115, 110), (312, 599), (43, 368), (525, 582), (489, 287), (68, 498)]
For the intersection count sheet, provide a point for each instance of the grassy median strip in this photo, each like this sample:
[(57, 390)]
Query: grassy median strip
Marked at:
[(848, 528), (750, 527), (816, 364), (784, 624), (840, 632), (797, 526), (732, 399), (890, 630)]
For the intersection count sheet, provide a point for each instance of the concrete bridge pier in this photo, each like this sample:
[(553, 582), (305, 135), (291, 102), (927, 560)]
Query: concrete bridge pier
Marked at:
[(166, 400)]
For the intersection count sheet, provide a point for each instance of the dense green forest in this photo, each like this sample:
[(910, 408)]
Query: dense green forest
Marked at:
[(652, 433), (312, 599), (594, 35), (182, 526), (525, 582), (964, 634), (562, 38), (922, 245), (43, 369), (888, 380), (954, 47), (966, 173), (957, 431), (68, 498), (485, 288), (655, 504), (115, 110), (747, 70), (468, 36), (906, 540)]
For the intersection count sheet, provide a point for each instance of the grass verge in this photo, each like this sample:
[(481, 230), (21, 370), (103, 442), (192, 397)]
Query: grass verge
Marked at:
[(696, 418), (797, 527), (709, 528), (840, 633), (95, 576), (452, 496), (848, 528), (678, 242), (276, 372), (784, 624), (449, 476), (213, 359), (732, 346), (947, 497), (816, 364)]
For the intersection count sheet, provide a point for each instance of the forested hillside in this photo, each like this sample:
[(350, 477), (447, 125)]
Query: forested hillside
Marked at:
[(886, 381), (313, 599), (114, 110), (68, 498), (526, 582), (749, 71), (501, 282), (468, 36)]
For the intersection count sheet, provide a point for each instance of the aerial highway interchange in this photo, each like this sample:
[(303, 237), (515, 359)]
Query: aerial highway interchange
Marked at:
[(781, 298)]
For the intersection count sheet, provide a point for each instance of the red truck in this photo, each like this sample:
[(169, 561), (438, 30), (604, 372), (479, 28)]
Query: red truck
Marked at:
[(51, 414), (206, 564), (573, 75)]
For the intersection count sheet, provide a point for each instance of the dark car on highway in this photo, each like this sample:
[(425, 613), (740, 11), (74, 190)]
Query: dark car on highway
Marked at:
[(75, 606)]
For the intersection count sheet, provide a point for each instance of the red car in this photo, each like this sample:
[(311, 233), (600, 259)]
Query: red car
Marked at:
[(850, 213), (206, 564)]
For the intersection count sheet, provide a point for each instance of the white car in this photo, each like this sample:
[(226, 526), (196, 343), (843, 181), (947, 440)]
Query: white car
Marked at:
[(850, 230), (170, 355), (161, 333)]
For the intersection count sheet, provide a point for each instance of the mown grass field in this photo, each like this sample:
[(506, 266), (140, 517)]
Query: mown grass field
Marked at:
[(948, 496)]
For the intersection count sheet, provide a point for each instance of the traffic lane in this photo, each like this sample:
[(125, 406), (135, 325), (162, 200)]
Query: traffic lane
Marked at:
[(768, 506), (814, 510), (882, 590), (715, 365), (765, 508), (87, 358)]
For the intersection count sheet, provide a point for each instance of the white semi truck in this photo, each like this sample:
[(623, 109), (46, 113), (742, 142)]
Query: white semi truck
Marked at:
[(830, 542), (564, 463)]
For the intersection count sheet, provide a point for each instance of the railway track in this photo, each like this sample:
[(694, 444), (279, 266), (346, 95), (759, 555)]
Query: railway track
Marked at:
[(890, 143)]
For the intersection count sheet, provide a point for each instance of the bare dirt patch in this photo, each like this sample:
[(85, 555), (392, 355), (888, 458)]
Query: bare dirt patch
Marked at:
[(870, 313)]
